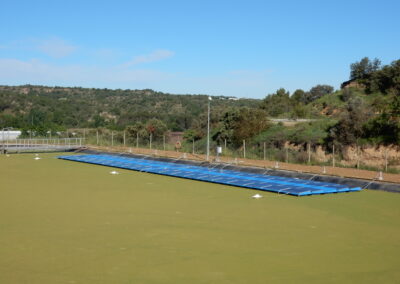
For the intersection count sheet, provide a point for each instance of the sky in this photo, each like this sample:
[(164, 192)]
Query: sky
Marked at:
[(230, 48)]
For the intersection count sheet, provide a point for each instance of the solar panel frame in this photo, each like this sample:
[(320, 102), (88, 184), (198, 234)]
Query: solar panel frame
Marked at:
[(291, 186)]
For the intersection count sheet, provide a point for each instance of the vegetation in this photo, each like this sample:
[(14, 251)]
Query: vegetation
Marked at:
[(42, 108), (237, 125), (154, 128), (365, 110), (369, 112)]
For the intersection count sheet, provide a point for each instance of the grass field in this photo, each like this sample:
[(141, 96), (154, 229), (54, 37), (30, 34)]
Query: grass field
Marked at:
[(67, 222)]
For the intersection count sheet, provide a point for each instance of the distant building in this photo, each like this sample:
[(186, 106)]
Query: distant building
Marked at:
[(9, 135), (174, 137), (353, 83)]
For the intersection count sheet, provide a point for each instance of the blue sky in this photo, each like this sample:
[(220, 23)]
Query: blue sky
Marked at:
[(232, 48)]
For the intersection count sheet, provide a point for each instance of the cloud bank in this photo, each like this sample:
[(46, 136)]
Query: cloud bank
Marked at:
[(157, 55), (56, 47), (15, 71)]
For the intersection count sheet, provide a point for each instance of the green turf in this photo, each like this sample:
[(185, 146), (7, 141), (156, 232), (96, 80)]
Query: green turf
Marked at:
[(67, 222)]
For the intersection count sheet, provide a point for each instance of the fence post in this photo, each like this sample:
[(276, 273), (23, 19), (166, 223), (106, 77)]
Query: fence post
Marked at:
[(112, 138), (225, 146), (333, 155), (287, 155), (97, 137), (193, 146), (137, 139), (386, 160), (164, 142), (264, 151), (358, 157), (124, 139), (151, 136), (244, 149), (309, 153)]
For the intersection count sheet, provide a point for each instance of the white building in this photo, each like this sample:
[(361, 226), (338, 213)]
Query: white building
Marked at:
[(9, 134)]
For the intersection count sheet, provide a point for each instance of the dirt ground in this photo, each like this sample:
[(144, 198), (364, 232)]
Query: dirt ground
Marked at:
[(328, 170)]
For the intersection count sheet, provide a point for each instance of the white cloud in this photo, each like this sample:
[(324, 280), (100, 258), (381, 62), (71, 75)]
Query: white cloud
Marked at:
[(53, 47), (156, 55), (14, 71), (240, 83), (56, 47), (105, 53)]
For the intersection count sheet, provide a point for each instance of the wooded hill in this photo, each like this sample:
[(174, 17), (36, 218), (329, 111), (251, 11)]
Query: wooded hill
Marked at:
[(44, 108), (365, 110)]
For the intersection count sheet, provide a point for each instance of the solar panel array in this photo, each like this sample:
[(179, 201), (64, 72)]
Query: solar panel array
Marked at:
[(292, 186)]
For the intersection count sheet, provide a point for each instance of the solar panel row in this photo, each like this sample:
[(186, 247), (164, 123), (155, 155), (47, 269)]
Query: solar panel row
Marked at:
[(292, 186)]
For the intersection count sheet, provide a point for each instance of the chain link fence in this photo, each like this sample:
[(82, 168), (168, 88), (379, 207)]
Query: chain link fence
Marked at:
[(305, 154)]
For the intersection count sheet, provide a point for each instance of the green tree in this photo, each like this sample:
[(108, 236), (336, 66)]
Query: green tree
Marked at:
[(156, 128), (277, 104), (318, 92), (387, 79), (98, 121), (137, 129), (299, 96), (350, 127), (237, 125), (363, 68), (192, 134), (385, 128), (300, 111)]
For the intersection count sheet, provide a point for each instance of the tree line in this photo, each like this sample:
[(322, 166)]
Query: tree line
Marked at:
[(41, 108), (365, 110)]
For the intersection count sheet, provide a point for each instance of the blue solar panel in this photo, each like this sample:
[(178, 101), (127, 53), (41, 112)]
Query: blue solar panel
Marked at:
[(277, 184)]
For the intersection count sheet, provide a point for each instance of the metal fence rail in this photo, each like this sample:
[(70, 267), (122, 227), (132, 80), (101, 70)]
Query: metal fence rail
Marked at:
[(41, 145), (304, 154)]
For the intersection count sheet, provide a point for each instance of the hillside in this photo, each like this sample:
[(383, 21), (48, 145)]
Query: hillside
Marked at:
[(366, 110), (40, 107)]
